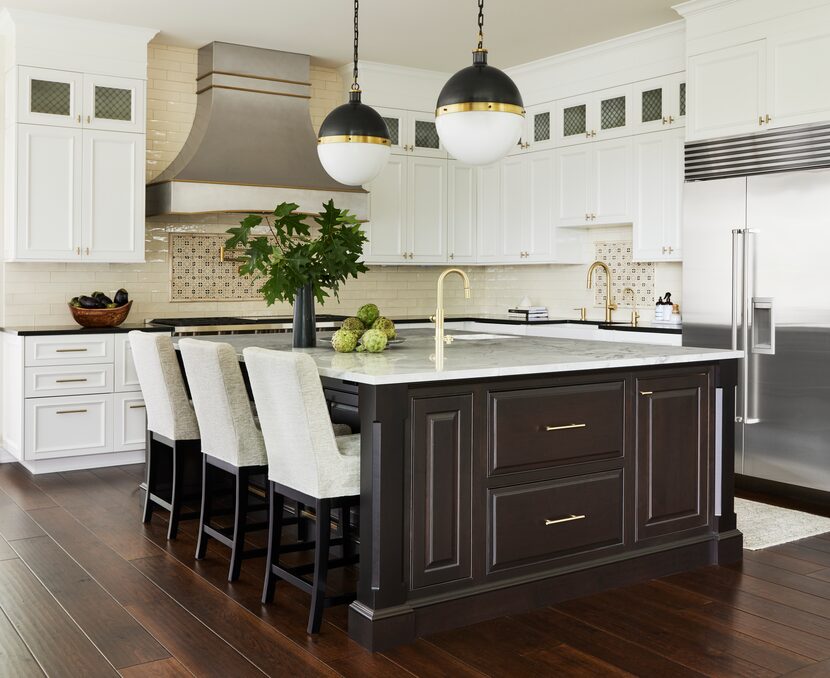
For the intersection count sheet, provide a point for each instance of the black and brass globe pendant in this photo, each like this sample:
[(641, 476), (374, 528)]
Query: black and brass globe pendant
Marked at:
[(353, 144), (480, 114)]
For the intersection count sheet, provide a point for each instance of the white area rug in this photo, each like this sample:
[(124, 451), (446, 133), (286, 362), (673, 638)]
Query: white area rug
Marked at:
[(764, 525)]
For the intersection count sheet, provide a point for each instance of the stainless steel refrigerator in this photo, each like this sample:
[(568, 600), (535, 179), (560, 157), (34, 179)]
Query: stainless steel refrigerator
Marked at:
[(756, 275)]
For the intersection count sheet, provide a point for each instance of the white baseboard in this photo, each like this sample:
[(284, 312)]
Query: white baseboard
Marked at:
[(6, 457), (82, 462)]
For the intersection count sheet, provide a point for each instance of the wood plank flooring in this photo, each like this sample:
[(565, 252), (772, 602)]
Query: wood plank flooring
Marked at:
[(86, 589)]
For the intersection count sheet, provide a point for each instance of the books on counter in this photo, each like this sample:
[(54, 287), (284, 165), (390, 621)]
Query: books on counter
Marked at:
[(529, 313)]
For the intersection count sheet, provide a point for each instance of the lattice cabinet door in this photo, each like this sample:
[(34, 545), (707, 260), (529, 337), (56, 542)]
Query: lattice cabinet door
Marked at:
[(659, 103), (424, 136), (612, 113), (396, 122), (49, 97), (112, 103)]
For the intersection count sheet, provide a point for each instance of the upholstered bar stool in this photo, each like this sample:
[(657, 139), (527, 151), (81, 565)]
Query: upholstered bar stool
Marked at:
[(307, 463), (172, 429), (232, 443)]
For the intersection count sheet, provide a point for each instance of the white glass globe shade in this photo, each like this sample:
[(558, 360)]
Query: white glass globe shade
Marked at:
[(479, 137), (353, 163)]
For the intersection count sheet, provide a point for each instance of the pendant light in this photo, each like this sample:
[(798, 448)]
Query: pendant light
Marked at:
[(479, 115), (354, 144)]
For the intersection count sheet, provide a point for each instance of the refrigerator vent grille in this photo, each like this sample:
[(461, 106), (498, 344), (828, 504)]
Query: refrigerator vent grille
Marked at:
[(785, 150)]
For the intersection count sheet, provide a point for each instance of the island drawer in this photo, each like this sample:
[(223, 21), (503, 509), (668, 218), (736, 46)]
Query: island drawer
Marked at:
[(544, 427), (535, 523)]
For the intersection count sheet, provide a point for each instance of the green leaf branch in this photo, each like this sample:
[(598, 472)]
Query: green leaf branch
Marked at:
[(290, 257)]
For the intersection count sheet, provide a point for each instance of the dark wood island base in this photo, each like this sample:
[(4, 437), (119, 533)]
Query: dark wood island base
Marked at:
[(486, 497)]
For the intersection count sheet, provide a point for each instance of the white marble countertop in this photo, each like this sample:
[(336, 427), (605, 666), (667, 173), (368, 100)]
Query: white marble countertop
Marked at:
[(411, 361)]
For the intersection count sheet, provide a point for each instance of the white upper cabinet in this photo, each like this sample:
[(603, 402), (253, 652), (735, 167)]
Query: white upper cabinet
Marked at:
[(427, 210), (45, 208), (461, 212), (728, 91), (47, 96), (489, 243), (386, 228), (538, 131), (537, 234), (594, 116), (112, 195), (797, 85), (573, 186), (413, 133), (658, 160), (114, 103), (659, 103)]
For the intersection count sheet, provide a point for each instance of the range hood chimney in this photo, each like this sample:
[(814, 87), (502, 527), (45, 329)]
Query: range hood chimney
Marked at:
[(252, 145)]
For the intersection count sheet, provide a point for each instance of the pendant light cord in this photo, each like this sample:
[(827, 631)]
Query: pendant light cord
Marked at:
[(355, 86), (480, 25)]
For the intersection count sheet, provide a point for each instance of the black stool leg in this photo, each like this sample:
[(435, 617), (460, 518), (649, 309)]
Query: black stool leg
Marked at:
[(150, 478), (207, 509), (276, 504), (346, 530), (239, 523), (302, 523), (321, 565), (176, 494)]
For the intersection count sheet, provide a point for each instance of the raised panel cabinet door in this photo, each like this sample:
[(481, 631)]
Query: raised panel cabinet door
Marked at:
[(440, 492), (126, 378), (113, 196), (658, 170), (728, 91), (49, 97), (115, 104), (49, 162), (427, 210), (386, 228), (613, 186), (515, 207), (573, 186), (68, 426), (461, 212), (488, 213), (674, 450), (537, 235), (798, 88), (129, 422)]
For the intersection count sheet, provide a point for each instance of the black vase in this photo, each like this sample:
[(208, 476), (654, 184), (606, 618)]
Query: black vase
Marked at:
[(305, 319)]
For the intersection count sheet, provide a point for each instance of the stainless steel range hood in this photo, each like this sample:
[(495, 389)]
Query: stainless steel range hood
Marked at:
[(252, 145)]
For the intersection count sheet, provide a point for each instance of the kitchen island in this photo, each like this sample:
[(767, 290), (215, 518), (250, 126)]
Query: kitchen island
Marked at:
[(526, 471)]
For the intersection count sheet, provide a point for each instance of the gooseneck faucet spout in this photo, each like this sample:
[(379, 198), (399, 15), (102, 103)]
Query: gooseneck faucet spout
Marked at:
[(438, 318), (610, 304)]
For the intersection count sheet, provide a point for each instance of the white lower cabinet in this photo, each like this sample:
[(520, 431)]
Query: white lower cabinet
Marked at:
[(130, 417), (68, 427)]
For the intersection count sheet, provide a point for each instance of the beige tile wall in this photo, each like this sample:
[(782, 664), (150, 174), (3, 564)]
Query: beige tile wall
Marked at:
[(36, 294)]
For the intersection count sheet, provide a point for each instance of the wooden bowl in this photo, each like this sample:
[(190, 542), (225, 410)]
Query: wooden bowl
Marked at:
[(100, 317)]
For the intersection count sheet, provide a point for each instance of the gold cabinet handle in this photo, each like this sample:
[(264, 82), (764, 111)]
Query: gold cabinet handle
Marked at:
[(137, 407), (79, 118), (452, 256), (665, 120), (70, 350), (71, 412), (70, 381), (767, 119), (565, 427), (566, 519), (86, 251), (646, 393), (760, 121), (78, 251), (671, 120)]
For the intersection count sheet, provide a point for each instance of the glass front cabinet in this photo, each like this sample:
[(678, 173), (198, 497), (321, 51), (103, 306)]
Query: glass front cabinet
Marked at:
[(660, 103), (606, 114), (412, 133)]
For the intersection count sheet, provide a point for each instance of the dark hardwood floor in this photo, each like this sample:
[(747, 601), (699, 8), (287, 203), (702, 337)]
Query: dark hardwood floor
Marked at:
[(86, 589)]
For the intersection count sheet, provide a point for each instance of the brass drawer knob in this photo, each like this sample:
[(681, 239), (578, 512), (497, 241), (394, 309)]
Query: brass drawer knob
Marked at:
[(566, 519)]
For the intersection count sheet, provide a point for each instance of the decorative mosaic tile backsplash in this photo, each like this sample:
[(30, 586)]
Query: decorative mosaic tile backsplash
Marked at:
[(639, 276), (197, 274)]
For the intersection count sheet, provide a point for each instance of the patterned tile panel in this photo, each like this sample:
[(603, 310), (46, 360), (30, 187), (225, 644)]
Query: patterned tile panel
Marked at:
[(573, 120), (541, 126), (54, 98), (682, 98), (393, 124), (652, 104), (426, 134), (612, 113), (113, 103), (639, 276), (197, 274)]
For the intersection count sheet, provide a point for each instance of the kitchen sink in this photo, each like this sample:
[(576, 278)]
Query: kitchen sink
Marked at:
[(481, 337)]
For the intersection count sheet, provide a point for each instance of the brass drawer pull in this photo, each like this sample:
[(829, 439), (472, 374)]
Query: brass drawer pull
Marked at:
[(70, 381), (71, 412), (137, 407), (646, 393), (71, 350), (566, 519), (564, 427)]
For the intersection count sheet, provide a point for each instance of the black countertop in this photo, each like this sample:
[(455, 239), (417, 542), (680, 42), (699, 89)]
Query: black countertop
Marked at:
[(33, 331)]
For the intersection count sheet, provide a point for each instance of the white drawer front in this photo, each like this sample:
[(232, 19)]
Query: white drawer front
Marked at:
[(126, 378), (130, 422), (63, 380), (69, 349), (68, 427)]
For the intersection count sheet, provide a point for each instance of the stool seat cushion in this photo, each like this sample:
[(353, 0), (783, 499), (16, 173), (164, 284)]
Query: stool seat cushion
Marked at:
[(342, 429)]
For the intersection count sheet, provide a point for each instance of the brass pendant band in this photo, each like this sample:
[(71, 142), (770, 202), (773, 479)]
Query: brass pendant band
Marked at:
[(491, 106), (354, 139)]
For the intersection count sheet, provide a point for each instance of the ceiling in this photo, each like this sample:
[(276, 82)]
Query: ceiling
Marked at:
[(433, 34)]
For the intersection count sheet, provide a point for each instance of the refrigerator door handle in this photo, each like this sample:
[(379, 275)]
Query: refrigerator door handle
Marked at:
[(737, 240), (748, 266)]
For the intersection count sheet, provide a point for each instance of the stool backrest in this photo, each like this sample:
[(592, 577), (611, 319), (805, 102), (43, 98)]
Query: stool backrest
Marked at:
[(223, 408), (169, 412), (295, 419)]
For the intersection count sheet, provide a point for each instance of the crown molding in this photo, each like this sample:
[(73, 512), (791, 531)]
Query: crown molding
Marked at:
[(12, 17)]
